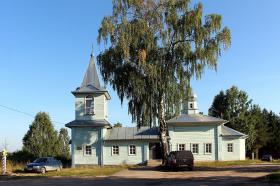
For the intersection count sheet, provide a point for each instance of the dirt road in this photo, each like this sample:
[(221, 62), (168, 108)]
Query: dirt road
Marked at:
[(237, 175)]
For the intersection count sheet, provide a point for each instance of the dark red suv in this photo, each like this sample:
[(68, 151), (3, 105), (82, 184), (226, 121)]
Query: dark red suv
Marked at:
[(182, 158)]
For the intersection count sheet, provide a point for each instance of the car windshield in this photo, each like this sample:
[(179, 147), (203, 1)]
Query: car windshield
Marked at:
[(41, 160)]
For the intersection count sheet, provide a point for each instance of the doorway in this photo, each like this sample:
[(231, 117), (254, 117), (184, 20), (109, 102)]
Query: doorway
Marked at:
[(155, 151)]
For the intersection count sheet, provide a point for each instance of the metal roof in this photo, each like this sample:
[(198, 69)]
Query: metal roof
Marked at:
[(91, 77), (194, 118), (226, 131), (132, 133), (88, 123)]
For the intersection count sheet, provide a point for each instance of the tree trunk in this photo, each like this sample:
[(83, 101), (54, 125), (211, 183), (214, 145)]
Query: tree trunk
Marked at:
[(257, 153), (163, 133)]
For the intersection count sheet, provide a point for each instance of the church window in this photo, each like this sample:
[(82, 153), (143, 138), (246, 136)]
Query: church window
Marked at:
[(191, 105), (115, 150), (132, 150), (89, 105), (88, 150), (181, 147), (230, 147), (195, 148), (208, 148)]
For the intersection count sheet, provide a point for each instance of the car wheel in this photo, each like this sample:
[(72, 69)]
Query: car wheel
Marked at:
[(43, 171), (191, 168)]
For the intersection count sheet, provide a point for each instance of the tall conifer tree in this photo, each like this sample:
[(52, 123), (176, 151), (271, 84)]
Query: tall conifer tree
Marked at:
[(41, 139)]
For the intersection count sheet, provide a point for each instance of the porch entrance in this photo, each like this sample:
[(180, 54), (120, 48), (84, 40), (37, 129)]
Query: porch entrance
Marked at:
[(155, 151)]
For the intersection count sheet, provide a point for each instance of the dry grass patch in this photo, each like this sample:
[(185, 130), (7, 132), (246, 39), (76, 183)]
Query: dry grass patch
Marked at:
[(87, 171), (13, 167)]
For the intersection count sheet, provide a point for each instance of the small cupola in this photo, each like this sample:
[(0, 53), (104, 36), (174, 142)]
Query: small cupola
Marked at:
[(190, 106)]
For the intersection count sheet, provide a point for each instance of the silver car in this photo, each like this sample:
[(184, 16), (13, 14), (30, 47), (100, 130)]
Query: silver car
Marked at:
[(43, 165)]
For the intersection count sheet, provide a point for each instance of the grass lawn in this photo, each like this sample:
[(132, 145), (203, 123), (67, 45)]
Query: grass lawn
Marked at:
[(231, 163), (17, 172), (274, 177), (17, 169)]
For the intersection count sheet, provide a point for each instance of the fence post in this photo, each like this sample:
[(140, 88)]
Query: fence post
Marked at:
[(4, 162)]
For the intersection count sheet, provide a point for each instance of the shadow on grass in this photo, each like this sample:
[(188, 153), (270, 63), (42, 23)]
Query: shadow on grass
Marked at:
[(273, 178), (114, 181), (256, 168)]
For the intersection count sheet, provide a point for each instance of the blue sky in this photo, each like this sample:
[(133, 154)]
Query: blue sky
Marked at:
[(45, 47)]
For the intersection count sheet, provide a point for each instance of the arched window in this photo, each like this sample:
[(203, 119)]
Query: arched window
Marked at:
[(89, 105)]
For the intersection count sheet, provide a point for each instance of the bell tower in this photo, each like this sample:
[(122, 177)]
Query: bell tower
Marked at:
[(91, 99)]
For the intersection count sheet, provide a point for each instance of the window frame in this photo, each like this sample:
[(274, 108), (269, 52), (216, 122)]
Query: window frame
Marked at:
[(86, 150), (129, 150), (205, 148), (181, 146), (89, 110), (192, 147), (114, 151), (229, 146)]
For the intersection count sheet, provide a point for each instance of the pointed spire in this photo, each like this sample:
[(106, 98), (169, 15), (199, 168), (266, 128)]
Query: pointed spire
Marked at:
[(91, 77), (92, 54)]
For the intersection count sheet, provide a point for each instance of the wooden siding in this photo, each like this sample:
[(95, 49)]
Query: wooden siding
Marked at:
[(82, 137), (142, 152), (238, 149), (100, 108), (195, 134)]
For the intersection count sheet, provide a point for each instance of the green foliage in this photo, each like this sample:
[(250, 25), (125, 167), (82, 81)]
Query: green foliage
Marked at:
[(63, 140), (261, 126), (43, 140), (156, 47), (21, 157), (118, 124), (272, 121), (231, 105)]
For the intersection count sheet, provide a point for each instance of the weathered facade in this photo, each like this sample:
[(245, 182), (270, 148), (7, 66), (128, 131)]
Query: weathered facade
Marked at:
[(95, 142)]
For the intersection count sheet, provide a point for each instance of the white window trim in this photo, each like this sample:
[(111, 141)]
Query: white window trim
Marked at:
[(129, 150), (197, 148), (231, 148), (112, 151), (178, 146), (205, 144), (85, 150)]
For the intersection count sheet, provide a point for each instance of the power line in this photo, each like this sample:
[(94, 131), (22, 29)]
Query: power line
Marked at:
[(25, 113)]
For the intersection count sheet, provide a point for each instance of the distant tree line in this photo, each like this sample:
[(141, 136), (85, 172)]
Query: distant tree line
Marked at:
[(118, 124), (261, 125), (43, 140)]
